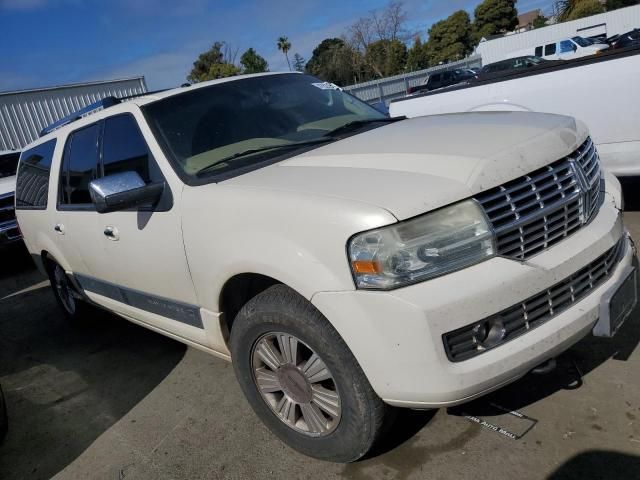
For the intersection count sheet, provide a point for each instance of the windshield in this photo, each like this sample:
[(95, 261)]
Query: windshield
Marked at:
[(583, 42), (234, 124)]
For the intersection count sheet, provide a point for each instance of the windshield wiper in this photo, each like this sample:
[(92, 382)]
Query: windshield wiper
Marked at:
[(347, 127), (251, 151)]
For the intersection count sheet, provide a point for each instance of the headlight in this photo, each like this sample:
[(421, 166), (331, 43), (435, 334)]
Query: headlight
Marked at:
[(440, 242)]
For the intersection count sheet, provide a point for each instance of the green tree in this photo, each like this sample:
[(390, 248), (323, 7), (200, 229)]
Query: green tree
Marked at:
[(586, 8), (449, 39), (386, 57), (212, 64), (284, 45), (540, 21), (334, 61), (222, 70), (298, 62), (253, 63), (417, 56), (567, 10), (494, 16), (204, 62), (615, 4)]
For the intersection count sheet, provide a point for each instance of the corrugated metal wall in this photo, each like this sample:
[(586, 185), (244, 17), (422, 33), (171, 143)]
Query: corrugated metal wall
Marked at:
[(23, 114), (610, 23)]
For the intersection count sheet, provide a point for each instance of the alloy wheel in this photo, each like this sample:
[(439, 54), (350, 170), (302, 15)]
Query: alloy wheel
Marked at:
[(296, 384), (64, 290)]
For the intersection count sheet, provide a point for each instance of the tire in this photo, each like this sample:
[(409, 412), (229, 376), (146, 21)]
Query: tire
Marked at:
[(67, 298), (273, 341), (4, 422)]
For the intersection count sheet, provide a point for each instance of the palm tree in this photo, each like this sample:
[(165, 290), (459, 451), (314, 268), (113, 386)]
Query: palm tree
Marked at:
[(564, 8), (285, 45)]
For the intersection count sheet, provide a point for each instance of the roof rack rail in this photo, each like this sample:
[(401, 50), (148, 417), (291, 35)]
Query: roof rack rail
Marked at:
[(143, 94), (100, 104)]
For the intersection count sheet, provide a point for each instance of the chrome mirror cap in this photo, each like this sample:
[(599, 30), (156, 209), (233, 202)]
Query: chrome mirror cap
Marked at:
[(123, 190)]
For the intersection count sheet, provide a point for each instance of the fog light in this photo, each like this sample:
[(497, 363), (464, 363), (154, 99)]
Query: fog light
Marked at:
[(489, 333)]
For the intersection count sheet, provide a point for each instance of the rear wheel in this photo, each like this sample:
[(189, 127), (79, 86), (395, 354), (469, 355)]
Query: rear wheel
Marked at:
[(302, 380), (67, 297)]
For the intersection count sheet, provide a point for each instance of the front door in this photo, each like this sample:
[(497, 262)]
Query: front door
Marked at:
[(138, 267)]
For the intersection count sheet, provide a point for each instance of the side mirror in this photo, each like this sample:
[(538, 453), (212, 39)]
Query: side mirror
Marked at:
[(123, 190), (575, 48)]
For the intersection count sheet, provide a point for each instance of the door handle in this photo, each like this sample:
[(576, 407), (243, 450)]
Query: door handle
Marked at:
[(59, 228), (111, 233)]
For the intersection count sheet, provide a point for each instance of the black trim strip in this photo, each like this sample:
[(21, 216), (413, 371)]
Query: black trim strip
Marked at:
[(178, 311)]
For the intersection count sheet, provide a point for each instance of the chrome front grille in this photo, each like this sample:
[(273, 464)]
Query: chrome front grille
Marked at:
[(533, 212), (461, 344)]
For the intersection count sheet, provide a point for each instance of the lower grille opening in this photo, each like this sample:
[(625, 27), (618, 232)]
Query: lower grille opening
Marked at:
[(474, 339)]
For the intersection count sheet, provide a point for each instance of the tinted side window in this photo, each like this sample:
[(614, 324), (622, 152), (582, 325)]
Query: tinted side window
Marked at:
[(434, 78), (124, 149), (538, 51), (446, 76), (80, 166), (550, 49), (32, 184), (566, 46)]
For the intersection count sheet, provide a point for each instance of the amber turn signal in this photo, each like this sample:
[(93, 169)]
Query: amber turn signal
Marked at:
[(363, 267)]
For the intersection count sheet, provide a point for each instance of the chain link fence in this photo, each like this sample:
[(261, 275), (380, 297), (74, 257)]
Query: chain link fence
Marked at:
[(390, 88)]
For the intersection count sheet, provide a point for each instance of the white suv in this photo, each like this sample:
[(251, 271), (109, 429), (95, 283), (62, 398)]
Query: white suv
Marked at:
[(347, 262)]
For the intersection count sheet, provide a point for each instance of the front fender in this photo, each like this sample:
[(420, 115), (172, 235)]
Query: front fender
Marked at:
[(297, 239)]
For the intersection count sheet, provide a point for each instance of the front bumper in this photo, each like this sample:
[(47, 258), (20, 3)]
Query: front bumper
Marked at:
[(397, 336)]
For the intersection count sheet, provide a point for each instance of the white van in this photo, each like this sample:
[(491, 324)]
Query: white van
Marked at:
[(564, 49)]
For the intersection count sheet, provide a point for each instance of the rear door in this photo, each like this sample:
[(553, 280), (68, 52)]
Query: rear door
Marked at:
[(75, 216), (551, 51), (447, 79), (434, 81)]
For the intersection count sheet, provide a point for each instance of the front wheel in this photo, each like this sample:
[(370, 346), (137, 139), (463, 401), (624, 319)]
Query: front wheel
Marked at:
[(302, 380)]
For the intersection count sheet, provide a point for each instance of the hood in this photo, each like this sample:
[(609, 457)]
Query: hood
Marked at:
[(7, 184), (412, 166)]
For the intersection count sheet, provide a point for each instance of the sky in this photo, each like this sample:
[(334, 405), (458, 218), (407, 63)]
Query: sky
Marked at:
[(54, 42)]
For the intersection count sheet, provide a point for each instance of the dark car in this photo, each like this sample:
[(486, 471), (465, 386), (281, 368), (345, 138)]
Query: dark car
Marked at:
[(444, 79), (3, 417), (629, 39), (9, 232), (8, 163), (517, 63)]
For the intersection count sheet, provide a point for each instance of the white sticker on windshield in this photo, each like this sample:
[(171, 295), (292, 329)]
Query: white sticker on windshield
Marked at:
[(326, 86)]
